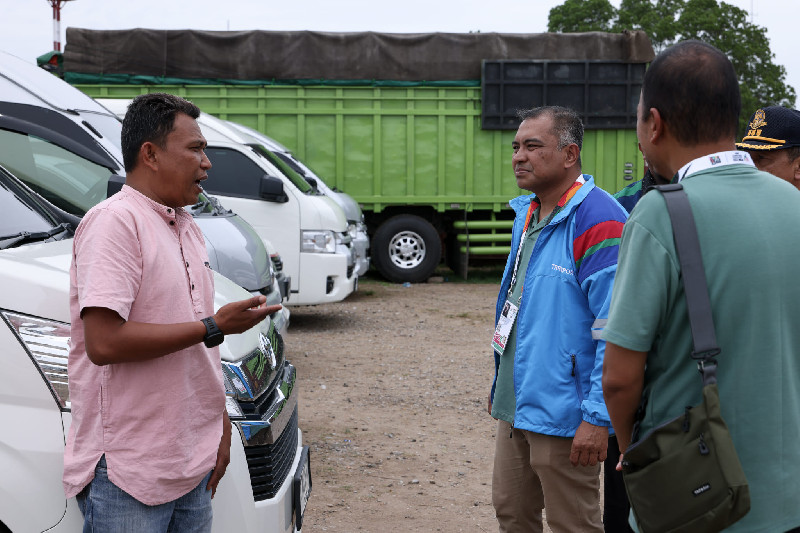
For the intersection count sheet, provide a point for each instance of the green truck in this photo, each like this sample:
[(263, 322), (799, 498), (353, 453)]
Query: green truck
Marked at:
[(416, 127)]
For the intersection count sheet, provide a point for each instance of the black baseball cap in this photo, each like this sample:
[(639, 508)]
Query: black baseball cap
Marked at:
[(772, 128)]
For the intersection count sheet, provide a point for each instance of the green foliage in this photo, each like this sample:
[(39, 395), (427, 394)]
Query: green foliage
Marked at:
[(666, 22), (761, 81), (657, 18), (581, 15)]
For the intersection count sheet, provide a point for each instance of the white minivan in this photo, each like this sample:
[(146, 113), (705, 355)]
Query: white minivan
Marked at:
[(355, 218), (309, 229), (32, 95), (267, 484)]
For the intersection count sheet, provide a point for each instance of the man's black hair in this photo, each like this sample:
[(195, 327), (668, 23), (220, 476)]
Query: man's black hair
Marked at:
[(695, 89), (150, 118), (567, 125)]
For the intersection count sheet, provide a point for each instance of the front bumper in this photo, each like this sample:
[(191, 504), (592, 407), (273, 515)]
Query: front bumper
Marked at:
[(236, 509), (325, 278), (361, 248), (260, 488)]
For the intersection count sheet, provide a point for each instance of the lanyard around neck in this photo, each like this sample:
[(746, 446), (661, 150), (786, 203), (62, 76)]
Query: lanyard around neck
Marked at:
[(718, 159), (531, 209)]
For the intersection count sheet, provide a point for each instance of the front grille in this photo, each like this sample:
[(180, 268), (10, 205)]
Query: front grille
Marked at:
[(259, 407), (258, 371), (270, 464)]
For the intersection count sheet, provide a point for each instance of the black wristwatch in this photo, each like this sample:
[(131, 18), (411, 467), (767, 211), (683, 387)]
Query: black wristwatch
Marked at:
[(214, 335)]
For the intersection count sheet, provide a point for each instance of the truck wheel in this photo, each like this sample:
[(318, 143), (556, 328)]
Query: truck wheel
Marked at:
[(406, 248)]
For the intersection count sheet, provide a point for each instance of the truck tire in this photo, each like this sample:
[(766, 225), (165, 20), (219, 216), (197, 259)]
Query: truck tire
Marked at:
[(406, 248)]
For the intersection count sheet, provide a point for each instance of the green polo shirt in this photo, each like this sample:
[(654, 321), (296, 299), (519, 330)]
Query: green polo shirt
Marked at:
[(749, 229), (504, 404)]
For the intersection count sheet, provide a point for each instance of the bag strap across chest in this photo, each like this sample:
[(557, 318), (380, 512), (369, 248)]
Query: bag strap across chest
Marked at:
[(695, 288)]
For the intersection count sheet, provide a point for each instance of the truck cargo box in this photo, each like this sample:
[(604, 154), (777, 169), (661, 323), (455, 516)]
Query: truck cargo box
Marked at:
[(417, 128)]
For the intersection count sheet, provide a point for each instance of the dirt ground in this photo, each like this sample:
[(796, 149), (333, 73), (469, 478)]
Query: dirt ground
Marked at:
[(392, 388), (393, 384)]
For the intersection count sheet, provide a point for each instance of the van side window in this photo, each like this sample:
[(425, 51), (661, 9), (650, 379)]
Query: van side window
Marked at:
[(232, 174)]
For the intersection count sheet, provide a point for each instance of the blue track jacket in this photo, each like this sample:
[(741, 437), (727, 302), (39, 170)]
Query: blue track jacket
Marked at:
[(558, 362)]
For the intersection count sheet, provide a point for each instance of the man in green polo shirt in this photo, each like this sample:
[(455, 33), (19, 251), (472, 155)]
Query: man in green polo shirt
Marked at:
[(747, 225)]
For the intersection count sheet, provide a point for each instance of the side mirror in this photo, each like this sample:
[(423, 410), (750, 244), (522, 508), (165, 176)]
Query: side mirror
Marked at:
[(271, 189), (115, 183)]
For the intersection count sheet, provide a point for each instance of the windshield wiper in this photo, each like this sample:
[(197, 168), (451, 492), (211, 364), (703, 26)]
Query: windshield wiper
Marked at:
[(212, 203), (201, 204), (27, 236)]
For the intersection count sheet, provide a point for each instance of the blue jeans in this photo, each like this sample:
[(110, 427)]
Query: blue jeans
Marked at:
[(108, 509)]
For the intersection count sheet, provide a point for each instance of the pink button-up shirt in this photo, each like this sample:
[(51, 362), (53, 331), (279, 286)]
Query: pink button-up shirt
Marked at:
[(158, 422)]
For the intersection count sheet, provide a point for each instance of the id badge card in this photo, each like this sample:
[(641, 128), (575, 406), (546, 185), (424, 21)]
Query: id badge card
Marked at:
[(503, 330)]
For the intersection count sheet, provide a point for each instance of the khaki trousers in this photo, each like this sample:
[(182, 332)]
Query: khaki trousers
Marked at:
[(532, 472)]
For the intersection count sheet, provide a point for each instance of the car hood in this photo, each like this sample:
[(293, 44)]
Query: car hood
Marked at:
[(236, 249), (326, 214), (34, 280), (350, 207)]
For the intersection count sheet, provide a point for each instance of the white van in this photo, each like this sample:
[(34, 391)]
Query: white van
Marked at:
[(355, 218), (308, 229), (30, 94), (267, 484)]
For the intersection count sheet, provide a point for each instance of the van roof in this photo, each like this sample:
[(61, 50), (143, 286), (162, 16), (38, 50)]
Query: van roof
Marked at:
[(34, 85)]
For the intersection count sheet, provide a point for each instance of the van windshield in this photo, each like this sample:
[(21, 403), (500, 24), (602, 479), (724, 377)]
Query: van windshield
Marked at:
[(17, 215), (296, 179), (61, 177)]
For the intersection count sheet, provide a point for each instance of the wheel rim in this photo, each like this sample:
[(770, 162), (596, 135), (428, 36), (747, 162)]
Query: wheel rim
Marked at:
[(407, 249)]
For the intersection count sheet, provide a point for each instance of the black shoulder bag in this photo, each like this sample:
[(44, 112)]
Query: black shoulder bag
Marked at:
[(684, 475)]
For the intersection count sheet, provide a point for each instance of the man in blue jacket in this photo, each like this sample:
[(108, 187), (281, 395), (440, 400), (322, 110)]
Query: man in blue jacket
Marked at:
[(552, 431)]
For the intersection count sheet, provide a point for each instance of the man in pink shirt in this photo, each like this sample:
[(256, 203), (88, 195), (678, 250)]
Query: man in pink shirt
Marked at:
[(150, 437)]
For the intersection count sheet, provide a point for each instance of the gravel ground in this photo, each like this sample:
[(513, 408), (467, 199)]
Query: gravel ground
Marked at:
[(392, 388)]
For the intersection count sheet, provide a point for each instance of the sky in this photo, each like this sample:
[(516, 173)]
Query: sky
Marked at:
[(26, 26)]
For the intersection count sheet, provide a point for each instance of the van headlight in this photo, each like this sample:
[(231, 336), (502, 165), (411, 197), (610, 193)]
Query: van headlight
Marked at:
[(47, 343), (318, 241)]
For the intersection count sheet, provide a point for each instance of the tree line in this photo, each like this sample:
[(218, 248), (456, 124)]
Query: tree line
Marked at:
[(761, 81)]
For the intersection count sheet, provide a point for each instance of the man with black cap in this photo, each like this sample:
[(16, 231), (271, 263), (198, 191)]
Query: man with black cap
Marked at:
[(773, 141)]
